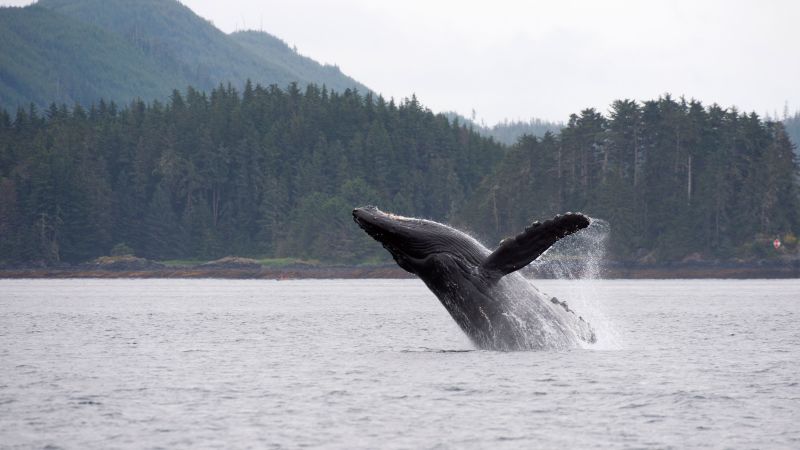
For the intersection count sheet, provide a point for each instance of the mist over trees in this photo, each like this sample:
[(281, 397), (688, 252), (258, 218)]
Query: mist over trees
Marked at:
[(792, 125), (508, 132), (673, 178)]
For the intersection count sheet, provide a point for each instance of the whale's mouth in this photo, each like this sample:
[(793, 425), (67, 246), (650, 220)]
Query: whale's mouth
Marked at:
[(378, 225), (401, 236), (368, 219)]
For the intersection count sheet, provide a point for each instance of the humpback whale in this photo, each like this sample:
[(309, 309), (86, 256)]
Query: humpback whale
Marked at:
[(495, 306)]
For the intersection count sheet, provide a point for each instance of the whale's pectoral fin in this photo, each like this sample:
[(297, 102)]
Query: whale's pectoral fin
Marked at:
[(517, 252)]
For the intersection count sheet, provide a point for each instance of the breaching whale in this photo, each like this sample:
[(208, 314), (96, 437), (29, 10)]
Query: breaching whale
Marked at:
[(495, 306)]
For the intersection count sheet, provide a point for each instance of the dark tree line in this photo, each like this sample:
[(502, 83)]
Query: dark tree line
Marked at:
[(672, 177), (271, 172), (262, 172)]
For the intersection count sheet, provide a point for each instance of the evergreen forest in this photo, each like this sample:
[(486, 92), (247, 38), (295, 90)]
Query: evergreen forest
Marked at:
[(674, 179), (275, 172), (262, 172)]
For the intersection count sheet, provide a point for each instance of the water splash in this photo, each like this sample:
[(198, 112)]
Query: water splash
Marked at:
[(578, 261)]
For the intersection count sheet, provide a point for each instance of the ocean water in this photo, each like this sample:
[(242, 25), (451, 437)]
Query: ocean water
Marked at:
[(380, 364)]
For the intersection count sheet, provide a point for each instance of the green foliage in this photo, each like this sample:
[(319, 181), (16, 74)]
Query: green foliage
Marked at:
[(71, 51), (121, 249), (266, 173), (48, 57), (673, 178), (272, 173)]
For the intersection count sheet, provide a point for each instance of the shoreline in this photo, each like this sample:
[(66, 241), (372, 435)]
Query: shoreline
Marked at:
[(611, 270)]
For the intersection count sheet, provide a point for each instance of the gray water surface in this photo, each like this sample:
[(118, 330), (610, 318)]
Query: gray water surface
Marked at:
[(380, 364)]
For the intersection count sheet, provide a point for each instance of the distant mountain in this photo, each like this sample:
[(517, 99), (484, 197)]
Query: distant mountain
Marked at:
[(508, 132), (81, 50)]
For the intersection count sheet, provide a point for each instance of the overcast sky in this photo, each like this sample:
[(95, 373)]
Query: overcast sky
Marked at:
[(547, 59)]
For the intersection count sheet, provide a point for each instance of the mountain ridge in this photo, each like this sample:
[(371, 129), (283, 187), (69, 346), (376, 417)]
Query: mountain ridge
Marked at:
[(78, 51), (40, 67)]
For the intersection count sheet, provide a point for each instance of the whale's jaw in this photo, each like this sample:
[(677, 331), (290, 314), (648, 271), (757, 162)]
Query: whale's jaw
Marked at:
[(413, 242)]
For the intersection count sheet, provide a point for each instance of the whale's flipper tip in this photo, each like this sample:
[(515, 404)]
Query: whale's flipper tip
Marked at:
[(515, 253)]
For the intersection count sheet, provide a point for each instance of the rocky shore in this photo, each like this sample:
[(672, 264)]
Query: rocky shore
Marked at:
[(243, 268)]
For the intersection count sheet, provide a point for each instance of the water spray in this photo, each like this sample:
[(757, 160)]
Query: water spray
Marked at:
[(578, 261)]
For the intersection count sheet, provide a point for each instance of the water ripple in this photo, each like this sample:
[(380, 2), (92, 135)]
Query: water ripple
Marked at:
[(214, 363)]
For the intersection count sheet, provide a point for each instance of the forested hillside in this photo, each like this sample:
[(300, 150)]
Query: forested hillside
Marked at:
[(46, 57), (264, 172), (275, 173), (673, 178), (77, 51), (305, 70)]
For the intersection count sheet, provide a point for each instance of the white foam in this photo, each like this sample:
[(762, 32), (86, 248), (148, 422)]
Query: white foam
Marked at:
[(578, 259)]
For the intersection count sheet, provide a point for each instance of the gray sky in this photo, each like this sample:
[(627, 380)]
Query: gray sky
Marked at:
[(521, 59)]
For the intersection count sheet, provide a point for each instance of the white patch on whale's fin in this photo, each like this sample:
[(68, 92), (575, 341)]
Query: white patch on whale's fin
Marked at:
[(515, 253)]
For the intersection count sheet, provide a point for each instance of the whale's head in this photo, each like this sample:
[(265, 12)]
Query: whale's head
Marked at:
[(417, 244)]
